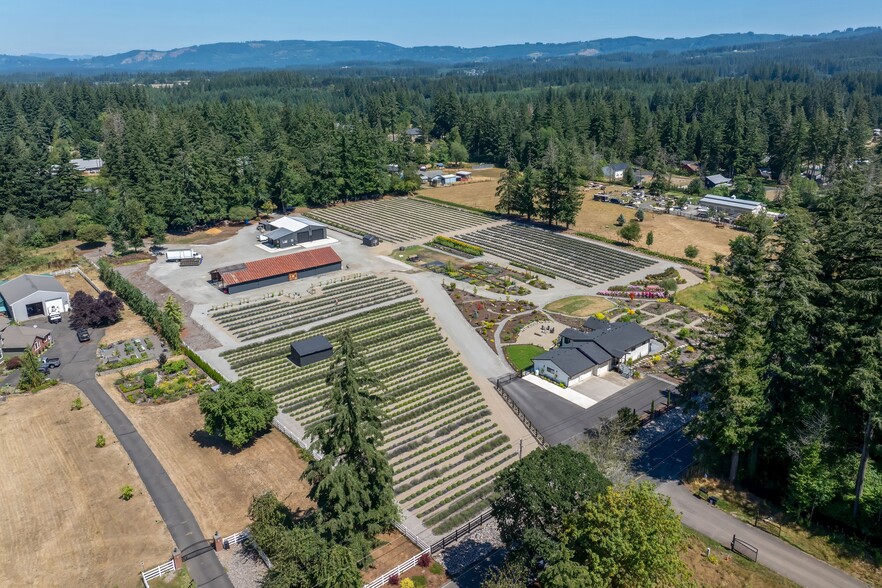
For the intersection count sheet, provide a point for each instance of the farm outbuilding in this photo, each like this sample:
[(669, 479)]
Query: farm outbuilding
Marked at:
[(31, 295), (289, 231), (311, 350), (276, 270), (370, 240)]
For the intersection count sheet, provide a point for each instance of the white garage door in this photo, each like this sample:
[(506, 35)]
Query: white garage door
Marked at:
[(53, 306)]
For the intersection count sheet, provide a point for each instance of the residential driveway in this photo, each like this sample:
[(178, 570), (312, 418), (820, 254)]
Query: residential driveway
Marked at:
[(78, 368), (774, 553)]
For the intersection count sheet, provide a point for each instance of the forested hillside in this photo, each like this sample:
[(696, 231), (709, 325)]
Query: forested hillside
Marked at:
[(183, 157)]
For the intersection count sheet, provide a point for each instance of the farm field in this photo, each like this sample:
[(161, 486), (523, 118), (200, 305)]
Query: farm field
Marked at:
[(278, 313), (64, 522), (398, 219), (579, 261), (671, 233), (440, 438)]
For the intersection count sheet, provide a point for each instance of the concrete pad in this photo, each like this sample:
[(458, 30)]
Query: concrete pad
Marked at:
[(599, 387), (567, 394)]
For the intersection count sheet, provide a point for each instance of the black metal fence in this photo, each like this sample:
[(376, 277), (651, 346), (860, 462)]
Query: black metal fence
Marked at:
[(463, 531), (744, 548), (498, 383)]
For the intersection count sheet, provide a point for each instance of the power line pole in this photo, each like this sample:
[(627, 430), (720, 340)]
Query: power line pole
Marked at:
[(521, 449)]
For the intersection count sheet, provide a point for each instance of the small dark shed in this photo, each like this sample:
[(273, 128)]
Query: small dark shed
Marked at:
[(309, 351), (370, 240)]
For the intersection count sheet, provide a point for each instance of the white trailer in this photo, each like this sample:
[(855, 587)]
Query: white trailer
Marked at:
[(183, 255)]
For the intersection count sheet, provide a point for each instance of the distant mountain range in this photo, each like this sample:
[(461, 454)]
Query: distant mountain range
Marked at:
[(289, 54)]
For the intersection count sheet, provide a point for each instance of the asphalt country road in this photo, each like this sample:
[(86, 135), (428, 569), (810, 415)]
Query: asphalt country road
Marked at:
[(78, 368)]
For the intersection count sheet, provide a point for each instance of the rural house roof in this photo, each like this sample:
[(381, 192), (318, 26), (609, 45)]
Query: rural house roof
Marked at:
[(718, 179), (279, 233), (294, 223), (25, 285), (617, 339), (712, 200), (87, 164), (593, 323), (618, 166), (570, 360), (594, 352), (22, 337), (275, 266), (413, 132), (311, 345)]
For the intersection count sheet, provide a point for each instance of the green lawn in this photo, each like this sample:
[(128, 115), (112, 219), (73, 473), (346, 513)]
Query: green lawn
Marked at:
[(521, 356), (580, 306), (702, 297)]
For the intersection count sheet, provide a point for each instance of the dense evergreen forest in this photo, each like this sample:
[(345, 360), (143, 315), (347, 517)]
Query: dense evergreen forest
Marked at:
[(183, 157)]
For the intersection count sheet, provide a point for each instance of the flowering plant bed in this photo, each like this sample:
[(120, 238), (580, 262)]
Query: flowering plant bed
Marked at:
[(175, 380)]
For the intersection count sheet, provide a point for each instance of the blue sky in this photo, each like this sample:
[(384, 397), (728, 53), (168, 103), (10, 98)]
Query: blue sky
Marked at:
[(105, 27)]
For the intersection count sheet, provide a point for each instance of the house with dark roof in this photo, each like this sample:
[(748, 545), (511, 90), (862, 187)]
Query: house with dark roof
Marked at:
[(614, 172), (276, 270), (15, 340), (311, 350), (690, 167), (31, 295), (582, 354)]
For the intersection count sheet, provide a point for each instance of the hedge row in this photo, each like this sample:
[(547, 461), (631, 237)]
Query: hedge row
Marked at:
[(194, 357)]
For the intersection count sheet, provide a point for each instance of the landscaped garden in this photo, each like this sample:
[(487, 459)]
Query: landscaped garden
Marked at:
[(276, 313), (440, 437), (125, 353), (556, 255), (492, 277), (485, 314), (398, 219), (173, 380)]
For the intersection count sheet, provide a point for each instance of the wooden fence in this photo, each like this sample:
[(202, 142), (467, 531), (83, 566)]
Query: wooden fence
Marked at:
[(157, 572)]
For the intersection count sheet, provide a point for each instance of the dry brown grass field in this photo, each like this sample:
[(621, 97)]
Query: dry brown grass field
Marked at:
[(671, 233), (63, 521)]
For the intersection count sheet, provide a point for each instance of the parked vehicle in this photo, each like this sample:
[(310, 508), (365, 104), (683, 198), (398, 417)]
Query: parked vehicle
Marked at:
[(83, 335), (51, 362), (183, 255), (55, 318)]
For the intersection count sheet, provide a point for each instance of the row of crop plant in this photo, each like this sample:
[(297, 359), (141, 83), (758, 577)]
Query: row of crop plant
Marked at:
[(441, 437)]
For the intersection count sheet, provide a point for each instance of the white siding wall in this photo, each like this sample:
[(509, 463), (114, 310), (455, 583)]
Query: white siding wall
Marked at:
[(547, 368), (637, 353)]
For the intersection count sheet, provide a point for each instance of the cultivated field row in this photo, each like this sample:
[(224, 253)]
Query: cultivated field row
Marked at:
[(579, 261), (274, 315), (441, 438), (400, 219)]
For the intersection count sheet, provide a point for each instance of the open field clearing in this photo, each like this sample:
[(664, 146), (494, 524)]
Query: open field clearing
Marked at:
[(671, 233), (398, 219), (576, 260), (216, 481), (279, 313), (441, 440), (63, 520)]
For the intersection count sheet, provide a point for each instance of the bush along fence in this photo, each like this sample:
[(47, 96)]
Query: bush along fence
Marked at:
[(651, 291), (203, 365), (141, 304)]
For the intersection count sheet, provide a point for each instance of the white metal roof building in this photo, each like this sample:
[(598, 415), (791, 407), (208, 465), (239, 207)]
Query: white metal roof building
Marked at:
[(32, 295), (728, 205)]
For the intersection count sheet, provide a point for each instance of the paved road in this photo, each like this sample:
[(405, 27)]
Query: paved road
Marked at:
[(664, 462), (774, 553), (78, 368)]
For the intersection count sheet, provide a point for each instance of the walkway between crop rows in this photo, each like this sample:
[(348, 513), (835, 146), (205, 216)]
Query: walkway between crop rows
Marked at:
[(78, 368)]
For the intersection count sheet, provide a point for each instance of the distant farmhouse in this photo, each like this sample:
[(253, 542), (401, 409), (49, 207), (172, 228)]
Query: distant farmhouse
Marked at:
[(615, 172), (290, 231), (414, 133), (602, 346), (690, 167), (275, 270), (88, 167), (715, 180), (731, 206)]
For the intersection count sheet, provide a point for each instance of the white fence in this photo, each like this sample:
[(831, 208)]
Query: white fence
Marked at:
[(157, 572), (409, 564), (235, 538)]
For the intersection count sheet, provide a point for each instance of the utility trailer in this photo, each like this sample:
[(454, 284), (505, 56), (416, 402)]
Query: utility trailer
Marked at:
[(184, 256)]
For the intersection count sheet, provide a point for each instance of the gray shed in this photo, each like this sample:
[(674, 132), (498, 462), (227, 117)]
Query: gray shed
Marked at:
[(33, 295), (311, 350)]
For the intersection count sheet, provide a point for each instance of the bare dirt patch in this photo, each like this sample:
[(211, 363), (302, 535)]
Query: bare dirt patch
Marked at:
[(216, 482), (63, 520), (74, 283), (205, 237), (130, 326)]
